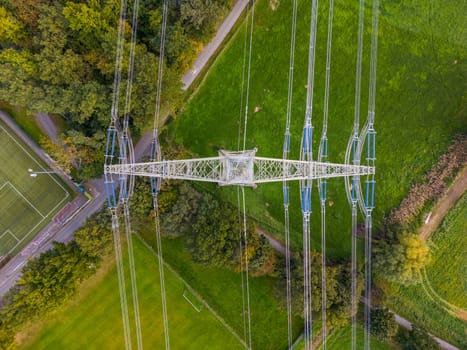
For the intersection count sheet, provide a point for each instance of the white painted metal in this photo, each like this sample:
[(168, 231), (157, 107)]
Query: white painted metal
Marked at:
[(239, 168)]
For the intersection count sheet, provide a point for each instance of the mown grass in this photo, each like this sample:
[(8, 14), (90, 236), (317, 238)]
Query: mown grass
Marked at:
[(94, 322), (222, 289), (446, 274), (27, 203), (419, 99)]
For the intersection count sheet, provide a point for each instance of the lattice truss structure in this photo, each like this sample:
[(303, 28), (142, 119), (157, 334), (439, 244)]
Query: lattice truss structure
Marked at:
[(239, 168)]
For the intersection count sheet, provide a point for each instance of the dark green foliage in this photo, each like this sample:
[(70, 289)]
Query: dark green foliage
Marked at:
[(141, 202), (183, 202), (58, 57), (383, 324), (416, 339), (337, 288), (216, 234), (200, 15)]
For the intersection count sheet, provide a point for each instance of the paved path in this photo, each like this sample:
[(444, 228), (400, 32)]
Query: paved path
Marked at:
[(46, 123), (211, 48), (455, 191)]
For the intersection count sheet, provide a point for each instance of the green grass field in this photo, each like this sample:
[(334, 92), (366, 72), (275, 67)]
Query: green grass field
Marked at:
[(27, 203), (419, 102), (438, 303), (222, 289), (94, 321)]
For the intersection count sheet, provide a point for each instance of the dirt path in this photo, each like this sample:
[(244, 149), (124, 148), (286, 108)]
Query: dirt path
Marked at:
[(455, 191)]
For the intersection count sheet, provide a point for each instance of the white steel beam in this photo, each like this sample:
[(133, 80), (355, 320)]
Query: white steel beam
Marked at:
[(239, 168)]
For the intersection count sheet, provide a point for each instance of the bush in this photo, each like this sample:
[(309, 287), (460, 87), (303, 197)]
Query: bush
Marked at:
[(383, 324), (416, 339)]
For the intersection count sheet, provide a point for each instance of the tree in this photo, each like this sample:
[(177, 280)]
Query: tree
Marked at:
[(11, 30), (383, 324), (402, 260), (215, 235), (338, 282), (95, 237), (416, 339), (178, 220), (200, 15)]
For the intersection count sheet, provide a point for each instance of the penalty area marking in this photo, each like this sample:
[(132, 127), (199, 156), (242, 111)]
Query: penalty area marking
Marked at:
[(190, 302), (8, 231)]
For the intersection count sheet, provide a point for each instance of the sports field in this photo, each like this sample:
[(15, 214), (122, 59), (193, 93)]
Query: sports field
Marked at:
[(94, 321), (27, 203)]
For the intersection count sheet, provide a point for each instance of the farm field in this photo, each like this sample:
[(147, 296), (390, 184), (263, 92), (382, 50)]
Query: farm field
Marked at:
[(418, 103), (27, 203), (439, 303), (94, 320)]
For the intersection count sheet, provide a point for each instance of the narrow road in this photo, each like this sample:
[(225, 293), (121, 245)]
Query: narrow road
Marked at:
[(46, 123), (452, 195), (211, 48)]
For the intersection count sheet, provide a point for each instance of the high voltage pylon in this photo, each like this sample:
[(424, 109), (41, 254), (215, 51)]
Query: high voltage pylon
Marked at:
[(244, 169)]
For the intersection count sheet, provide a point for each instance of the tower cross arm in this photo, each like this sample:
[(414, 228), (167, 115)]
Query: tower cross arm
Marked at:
[(239, 168)]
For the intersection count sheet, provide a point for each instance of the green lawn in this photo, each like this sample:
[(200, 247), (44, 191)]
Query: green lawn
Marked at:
[(94, 322), (420, 86), (435, 309), (27, 203), (221, 288)]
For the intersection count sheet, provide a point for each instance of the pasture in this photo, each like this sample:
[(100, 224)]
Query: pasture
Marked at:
[(27, 203), (439, 303), (420, 84)]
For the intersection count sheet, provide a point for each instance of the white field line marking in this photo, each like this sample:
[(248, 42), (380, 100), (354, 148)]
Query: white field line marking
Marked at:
[(4, 184), (67, 194), (10, 233), (34, 159), (27, 200), (32, 229), (194, 307)]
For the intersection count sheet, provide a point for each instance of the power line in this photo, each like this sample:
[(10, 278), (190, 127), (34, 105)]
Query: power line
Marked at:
[(285, 187)]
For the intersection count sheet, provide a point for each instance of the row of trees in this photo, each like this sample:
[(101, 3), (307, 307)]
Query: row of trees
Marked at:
[(58, 56)]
